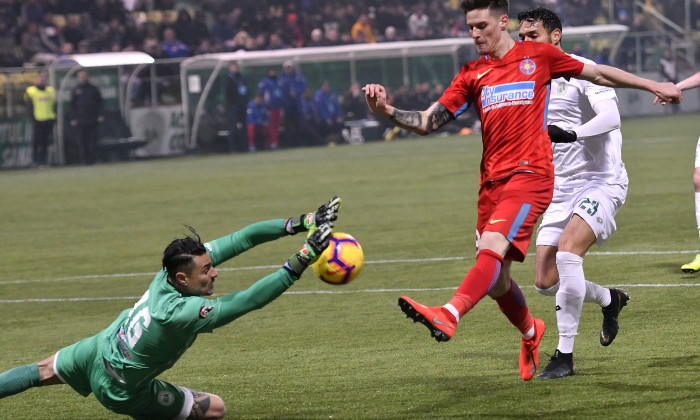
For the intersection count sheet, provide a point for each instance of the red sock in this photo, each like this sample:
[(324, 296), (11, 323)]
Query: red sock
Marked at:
[(478, 281), (513, 306)]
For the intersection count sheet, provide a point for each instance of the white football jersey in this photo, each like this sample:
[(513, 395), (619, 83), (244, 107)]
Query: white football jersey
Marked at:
[(597, 158)]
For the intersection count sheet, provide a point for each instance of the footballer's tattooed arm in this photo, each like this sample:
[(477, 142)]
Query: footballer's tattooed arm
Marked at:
[(410, 120), (422, 122), (438, 116), (200, 406)]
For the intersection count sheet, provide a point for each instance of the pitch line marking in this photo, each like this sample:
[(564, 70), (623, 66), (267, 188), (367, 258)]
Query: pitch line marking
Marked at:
[(266, 267), (313, 292)]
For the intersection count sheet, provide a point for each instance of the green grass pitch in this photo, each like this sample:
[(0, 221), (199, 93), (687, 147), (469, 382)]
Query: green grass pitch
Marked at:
[(79, 244)]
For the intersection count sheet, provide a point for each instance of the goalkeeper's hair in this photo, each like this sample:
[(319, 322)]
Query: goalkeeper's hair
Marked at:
[(500, 6), (179, 254), (550, 20)]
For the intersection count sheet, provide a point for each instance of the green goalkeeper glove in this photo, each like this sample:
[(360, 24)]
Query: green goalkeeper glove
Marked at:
[(317, 240), (326, 213)]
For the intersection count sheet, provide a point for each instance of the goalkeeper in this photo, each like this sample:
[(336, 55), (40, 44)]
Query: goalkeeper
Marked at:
[(120, 364)]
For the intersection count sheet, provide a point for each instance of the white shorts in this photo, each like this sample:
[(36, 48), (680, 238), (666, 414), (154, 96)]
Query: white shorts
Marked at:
[(697, 154), (597, 205)]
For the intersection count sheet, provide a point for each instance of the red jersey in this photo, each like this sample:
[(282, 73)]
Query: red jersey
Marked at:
[(511, 95)]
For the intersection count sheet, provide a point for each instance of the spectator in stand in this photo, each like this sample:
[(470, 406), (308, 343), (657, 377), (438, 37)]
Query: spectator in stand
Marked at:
[(276, 42), (603, 57), (31, 43), (258, 121), (66, 49), (132, 38), (354, 104), (73, 32), (199, 30), (363, 26), (316, 38), (309, 129), (173, 47), (577, 49), (329, 113), (102, 11), (238, 42), (183, 29), (293, 30), (84, 47), (167, 22), (332, 37), (86, 114), (205, 47), (32, 11), (222, 30), (9, 14), (668, 69), (273, 95), (113, 34), (50, 34), (417, 21), (389, 35), (236, 91), (261, 42), (8, 50), (250, 44), (293, 85)]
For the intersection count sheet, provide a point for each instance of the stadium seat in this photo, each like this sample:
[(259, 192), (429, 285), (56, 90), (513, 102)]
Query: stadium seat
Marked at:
[(59, 20), (155, 16), (116, 142)]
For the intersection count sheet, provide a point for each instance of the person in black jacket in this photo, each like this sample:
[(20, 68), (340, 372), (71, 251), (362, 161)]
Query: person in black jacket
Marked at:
[(236, 92), (86, 114)]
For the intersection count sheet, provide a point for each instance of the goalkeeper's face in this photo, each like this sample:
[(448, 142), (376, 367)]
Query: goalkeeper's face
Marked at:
[(200, 280)]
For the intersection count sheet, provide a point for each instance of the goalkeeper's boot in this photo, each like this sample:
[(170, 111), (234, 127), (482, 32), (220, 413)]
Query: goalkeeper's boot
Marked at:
[(529, 352), (618, 300), (560, 366), (693, 266), (438, 319)]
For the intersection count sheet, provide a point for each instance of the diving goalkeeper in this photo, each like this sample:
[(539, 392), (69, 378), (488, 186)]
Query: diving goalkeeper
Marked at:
[(120, 364)]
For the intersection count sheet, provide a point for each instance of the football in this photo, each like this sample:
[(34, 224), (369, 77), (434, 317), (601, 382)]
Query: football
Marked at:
[(341, 262)]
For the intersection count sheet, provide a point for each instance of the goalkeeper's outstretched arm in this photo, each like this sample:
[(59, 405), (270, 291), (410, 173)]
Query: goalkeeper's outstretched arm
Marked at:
[(419, 122)]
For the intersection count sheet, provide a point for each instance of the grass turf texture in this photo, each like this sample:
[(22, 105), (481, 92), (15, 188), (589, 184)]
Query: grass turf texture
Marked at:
[(89, 239)]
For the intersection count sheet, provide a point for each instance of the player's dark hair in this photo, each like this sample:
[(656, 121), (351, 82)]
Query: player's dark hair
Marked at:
[(550, 20), (179, 254), (500, 6)]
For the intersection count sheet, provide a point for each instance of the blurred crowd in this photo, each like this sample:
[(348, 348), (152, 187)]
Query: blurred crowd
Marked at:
[(38, 31)]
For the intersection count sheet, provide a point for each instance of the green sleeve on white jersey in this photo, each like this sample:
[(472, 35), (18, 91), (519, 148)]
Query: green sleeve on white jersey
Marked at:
[(229, 246)]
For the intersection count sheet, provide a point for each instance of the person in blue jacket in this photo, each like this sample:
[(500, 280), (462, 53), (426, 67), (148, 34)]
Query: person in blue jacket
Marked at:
[(275, 101), (293, 84), (258, 121), (329, 112)]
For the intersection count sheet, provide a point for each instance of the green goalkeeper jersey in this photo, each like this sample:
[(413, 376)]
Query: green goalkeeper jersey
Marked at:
[(149, 338)]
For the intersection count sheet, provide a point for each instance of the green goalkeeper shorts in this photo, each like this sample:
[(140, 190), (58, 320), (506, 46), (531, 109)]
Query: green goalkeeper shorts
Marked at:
[(82, 366)]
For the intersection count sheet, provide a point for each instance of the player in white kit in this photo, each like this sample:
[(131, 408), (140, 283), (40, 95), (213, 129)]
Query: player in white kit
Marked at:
[(590, 187), (685, 84)]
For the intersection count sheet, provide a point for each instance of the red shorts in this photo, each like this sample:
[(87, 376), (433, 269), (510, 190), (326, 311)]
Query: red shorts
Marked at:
[(512, 206)]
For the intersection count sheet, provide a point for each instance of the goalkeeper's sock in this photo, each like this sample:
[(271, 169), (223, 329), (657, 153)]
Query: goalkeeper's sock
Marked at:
[(19, 379), (478, 281), (513, 306)]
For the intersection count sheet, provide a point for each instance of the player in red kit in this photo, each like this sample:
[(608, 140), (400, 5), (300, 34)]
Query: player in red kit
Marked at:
[(509, 88)]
